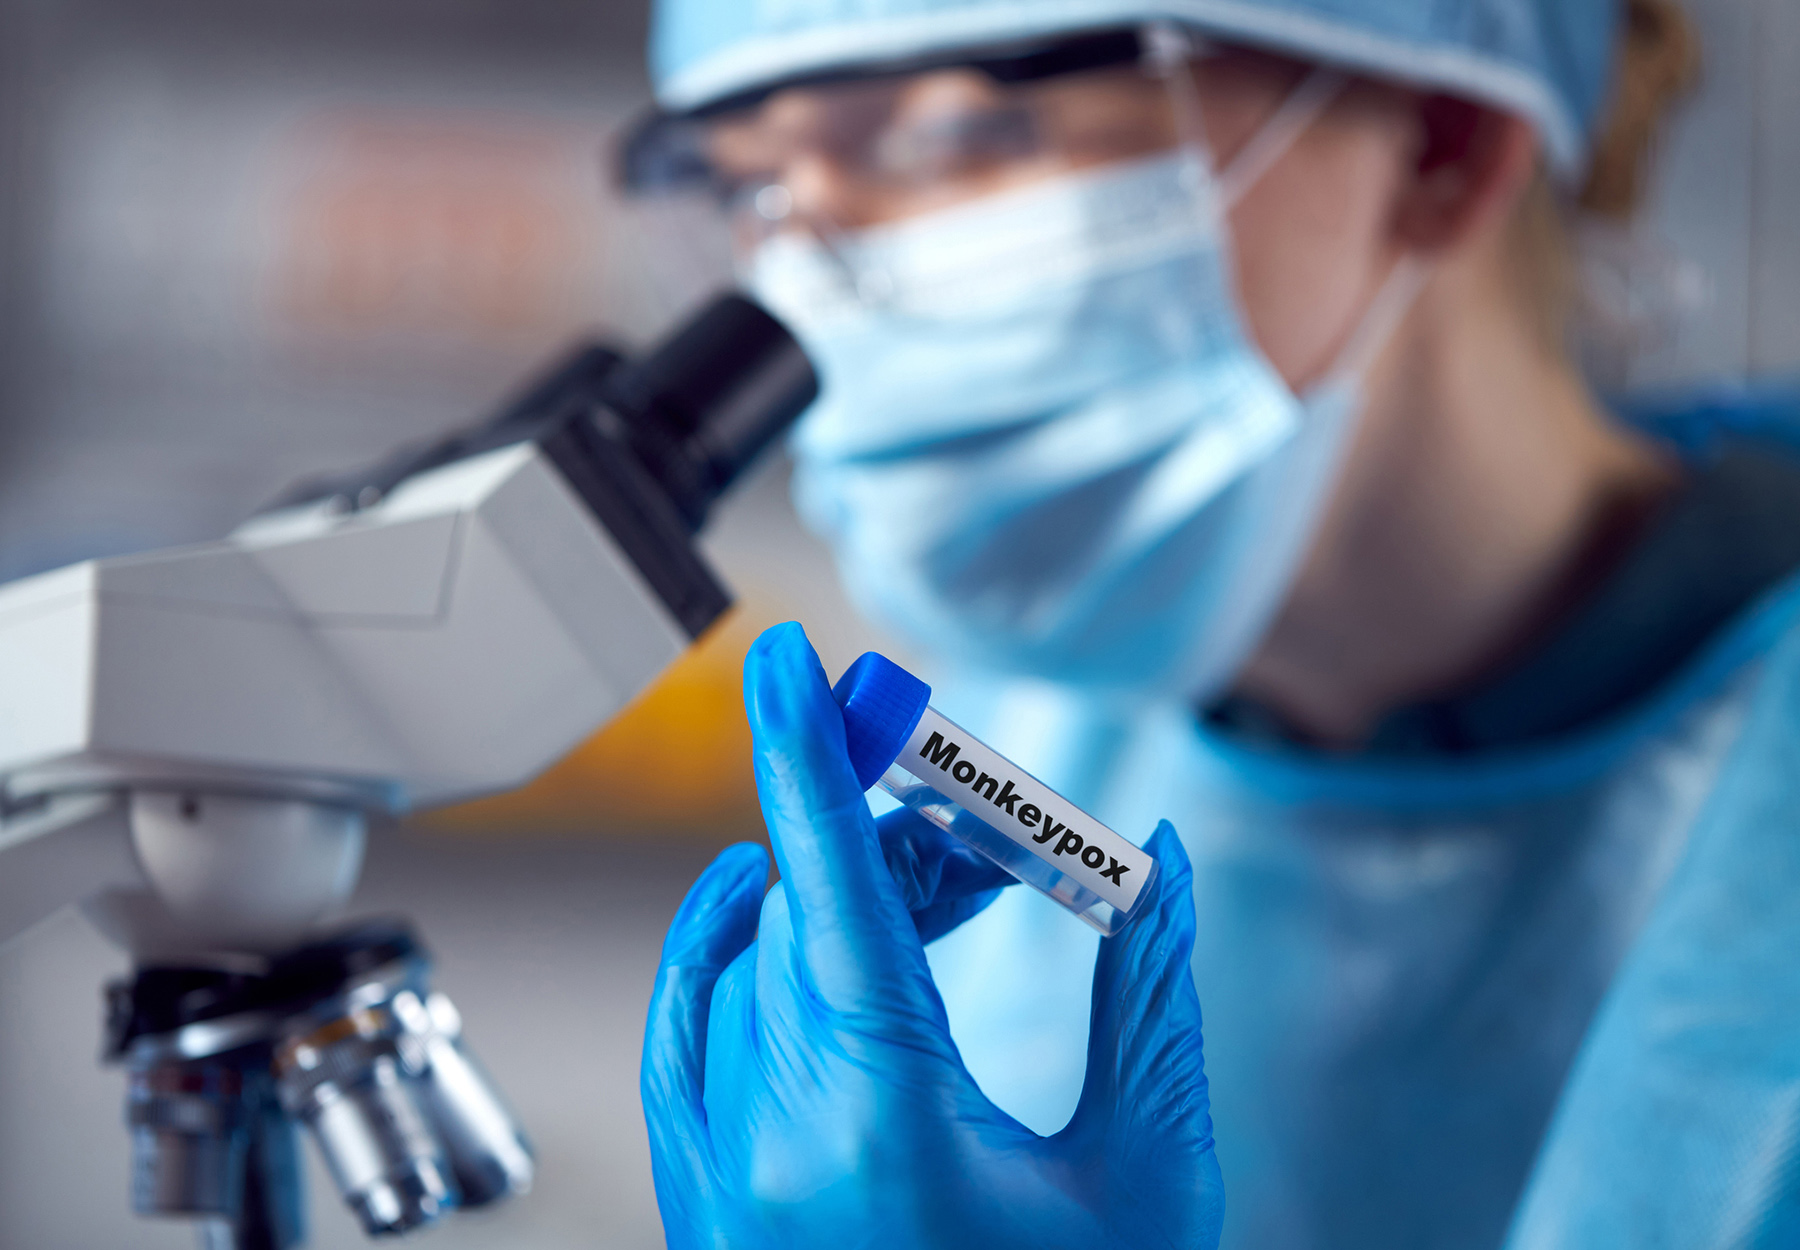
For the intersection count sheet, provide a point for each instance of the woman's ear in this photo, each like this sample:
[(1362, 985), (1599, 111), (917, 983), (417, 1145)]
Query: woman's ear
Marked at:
[(1473, 164)]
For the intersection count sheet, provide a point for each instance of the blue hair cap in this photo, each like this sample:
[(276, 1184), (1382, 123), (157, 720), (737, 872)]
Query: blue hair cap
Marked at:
[(1547, 61)]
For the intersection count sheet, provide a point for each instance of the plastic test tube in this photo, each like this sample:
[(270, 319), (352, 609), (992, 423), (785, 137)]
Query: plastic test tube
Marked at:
[(944, 773)]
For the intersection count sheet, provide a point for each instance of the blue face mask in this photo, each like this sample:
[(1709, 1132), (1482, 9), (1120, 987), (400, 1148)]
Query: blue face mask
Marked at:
[(1046, 444)]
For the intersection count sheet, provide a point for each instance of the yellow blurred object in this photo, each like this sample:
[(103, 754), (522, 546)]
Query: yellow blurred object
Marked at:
[(677, 761)]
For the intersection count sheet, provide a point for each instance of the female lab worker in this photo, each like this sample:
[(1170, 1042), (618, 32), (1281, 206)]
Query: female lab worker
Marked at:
[(1196, 398)]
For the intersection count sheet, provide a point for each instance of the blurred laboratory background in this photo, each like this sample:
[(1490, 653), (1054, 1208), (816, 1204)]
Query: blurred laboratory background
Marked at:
[(247, 241)]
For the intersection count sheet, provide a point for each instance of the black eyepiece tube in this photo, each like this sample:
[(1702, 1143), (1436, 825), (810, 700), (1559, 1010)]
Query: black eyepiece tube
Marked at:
[(690, 417), (711, 400)]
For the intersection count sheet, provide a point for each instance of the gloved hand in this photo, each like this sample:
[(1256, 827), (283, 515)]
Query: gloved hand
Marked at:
[(799, 1081), (942, 880)]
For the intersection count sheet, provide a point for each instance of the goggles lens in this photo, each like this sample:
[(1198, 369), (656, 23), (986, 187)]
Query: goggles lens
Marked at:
[(853, 155)]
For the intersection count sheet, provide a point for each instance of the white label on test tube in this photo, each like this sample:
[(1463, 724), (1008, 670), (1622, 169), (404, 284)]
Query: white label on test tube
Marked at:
[(1025, 810)]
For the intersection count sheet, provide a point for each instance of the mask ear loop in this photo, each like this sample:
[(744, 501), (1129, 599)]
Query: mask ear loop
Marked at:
[(1169, 53), (1304, 106), (1400, 290)]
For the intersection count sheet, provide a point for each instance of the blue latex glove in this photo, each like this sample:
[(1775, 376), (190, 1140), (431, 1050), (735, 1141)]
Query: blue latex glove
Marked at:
[(799, 1081), (942, 880)]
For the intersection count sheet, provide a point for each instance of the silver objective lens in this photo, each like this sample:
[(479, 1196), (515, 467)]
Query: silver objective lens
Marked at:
[(209, 1140), (353, 1080), (488, 1153), (344, 1036), (189, 1133), (375, 1065)]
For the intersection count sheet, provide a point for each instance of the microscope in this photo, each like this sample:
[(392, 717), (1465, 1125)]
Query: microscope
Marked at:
[(193, 741)]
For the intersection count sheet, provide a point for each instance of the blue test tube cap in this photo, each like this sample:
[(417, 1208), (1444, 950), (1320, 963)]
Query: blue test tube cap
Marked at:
[(882, 704)]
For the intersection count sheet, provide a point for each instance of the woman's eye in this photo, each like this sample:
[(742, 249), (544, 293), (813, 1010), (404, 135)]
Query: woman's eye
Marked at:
[(958, 142)]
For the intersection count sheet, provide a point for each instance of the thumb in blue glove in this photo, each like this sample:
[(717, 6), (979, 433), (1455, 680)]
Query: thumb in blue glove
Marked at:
[(799, 1081)]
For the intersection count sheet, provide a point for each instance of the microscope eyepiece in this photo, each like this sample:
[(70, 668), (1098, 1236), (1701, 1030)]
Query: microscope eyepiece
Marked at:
[(648, 446), (708, 402), (694, 413)]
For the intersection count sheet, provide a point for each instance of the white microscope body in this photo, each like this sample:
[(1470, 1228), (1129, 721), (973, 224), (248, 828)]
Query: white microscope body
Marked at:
[(192, 741), (209, 727)]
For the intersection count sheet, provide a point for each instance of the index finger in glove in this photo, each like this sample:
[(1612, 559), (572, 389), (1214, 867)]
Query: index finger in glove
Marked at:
[(852, 927)]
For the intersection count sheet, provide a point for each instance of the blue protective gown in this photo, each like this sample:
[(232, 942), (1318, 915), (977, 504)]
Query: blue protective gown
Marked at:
[(1591, 866)]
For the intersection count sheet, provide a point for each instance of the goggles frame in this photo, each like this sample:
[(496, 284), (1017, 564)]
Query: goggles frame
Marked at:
[(664, 152)]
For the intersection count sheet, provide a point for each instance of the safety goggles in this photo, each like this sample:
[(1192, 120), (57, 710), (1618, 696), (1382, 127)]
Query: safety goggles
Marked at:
[(841, 153), (838, 164), (672, 152)]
